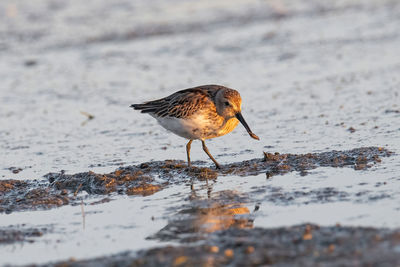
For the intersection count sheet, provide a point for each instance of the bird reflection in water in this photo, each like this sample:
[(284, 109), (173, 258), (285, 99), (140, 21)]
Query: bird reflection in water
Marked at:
[(220, 211), (222, 216), (203, 215)]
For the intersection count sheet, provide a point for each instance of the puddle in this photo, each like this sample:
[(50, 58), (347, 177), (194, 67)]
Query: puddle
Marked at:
[(319, 82), (202, 216)]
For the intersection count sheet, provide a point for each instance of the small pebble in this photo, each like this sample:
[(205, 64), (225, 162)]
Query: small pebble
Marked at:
[(249, 249), (214, 249), (228, 253), (180, 260)]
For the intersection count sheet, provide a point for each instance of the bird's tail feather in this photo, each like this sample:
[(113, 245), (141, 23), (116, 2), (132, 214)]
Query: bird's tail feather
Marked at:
[(144, 108)]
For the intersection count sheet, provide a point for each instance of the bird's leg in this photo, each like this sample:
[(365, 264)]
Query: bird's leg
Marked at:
[(188, 151), (208, 153)]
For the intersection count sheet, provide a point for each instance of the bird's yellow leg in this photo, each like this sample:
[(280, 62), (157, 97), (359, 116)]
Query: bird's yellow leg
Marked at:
[(188, 151), (208, 153)]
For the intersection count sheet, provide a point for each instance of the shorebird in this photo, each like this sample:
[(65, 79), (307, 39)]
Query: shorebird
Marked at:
[(198, 113)]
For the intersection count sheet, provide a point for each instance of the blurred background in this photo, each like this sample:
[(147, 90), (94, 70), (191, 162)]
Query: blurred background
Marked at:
[(308, 71), (314, 76)]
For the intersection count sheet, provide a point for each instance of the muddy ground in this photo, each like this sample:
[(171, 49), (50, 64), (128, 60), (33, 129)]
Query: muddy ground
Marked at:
[(85, 180), (222, 223), (61, 189), (301, 245)]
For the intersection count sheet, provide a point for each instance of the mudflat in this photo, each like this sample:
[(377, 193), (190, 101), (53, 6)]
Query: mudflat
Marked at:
[(85, 181)]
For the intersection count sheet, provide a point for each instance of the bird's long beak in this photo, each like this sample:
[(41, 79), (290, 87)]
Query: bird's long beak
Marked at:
[(241, 119)]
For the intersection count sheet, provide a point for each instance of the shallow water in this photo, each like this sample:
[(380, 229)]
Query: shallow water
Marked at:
[(307, 73)]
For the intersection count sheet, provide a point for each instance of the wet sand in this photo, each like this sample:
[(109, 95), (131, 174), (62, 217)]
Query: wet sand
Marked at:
[(84, 180), (61, 189), (301, 245)]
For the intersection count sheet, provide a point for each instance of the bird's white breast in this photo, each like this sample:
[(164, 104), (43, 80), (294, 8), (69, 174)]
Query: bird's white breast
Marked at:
[(186, 128)]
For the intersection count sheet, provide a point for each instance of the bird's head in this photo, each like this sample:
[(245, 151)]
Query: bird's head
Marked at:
[(229, 105)]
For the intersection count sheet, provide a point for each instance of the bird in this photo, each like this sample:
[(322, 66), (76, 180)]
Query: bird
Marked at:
[(198, 113)]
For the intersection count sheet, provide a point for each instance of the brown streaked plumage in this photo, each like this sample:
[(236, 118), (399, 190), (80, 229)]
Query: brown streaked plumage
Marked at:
[(201, 112)]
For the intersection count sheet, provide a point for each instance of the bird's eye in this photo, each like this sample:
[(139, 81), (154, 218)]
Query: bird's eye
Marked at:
[(226, 103)]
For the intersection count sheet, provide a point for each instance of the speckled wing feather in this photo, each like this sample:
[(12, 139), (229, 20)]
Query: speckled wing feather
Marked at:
[(181, 104)]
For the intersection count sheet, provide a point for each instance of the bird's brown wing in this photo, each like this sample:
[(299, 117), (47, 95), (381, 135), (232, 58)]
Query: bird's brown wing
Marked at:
[(181, 104)]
